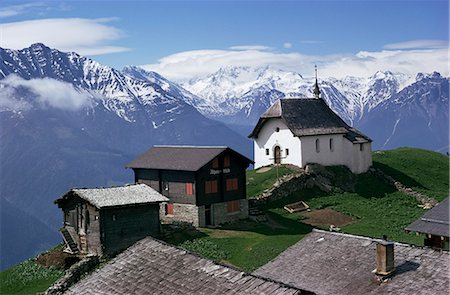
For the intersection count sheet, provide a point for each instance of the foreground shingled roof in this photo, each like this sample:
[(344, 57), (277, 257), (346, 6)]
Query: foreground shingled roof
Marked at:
[(182, 158), (154, 267), (435, 221), (117, 196), (332, 263), (308, 116)]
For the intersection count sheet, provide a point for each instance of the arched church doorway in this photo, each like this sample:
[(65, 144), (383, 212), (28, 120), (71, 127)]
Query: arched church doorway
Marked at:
[(277, 155)]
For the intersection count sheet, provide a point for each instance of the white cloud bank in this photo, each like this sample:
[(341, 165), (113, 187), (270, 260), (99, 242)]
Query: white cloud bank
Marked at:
[(84, 36), (190, 64), (49, 93)]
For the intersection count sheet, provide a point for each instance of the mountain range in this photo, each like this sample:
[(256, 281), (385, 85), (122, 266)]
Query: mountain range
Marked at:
[(68, 121)]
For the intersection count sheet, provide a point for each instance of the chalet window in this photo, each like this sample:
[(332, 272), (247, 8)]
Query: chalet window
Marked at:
[(233, 206), (226, 161), (189, 188), (215, 163), (166, 185), (210, 186), (361, 147), (331, 145), (231, 184), (287, 152), (317, 146), (267, 152), (169, 209)]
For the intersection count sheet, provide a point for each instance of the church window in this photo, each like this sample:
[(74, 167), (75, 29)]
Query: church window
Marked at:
[(287, 152), (331, 145), (267, 152), (317, 146)]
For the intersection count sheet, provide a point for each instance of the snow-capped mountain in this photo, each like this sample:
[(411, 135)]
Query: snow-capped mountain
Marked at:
[(234, 90), (68, 121), (415, 116)]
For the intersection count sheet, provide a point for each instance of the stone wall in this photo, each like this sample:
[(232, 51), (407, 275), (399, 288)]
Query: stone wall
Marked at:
[(183, 213), (220, 214), (73, 275)]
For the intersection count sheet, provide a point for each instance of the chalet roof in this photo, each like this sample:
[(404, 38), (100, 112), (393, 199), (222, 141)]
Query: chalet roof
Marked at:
[(333, 263), (434, 222), (182, 158), (308, 116), (117, 196), (154, 267)]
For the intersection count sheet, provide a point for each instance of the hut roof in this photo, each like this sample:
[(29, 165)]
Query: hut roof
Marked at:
[(334, 263), (308, 116), (182, 158), (154, 267), (116, 196)]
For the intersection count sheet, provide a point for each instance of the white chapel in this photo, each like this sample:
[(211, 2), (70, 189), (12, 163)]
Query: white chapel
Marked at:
[(300, 131)]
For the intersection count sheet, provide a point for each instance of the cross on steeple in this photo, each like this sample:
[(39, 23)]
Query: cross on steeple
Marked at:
[(316, 86)]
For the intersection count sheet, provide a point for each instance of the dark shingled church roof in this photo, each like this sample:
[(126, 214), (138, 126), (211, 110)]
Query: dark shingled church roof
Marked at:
[(434, 222), (154, 267), (308, 116), (334, 263), (182, 158)]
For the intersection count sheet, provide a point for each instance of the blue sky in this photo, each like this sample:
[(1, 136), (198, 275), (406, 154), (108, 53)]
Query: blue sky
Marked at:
[(169, 35)]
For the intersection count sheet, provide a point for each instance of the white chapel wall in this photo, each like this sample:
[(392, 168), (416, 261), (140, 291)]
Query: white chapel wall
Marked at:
[(337, 154), (269, 138)]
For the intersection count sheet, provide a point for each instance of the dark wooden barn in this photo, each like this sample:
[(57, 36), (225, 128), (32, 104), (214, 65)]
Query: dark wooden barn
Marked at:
[(205, 185), (107, 220), (435, 225)]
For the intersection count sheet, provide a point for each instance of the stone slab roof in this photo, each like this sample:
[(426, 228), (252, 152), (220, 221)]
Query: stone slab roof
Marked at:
[(308, 116), (333, 263), (182, 158), (154, 267), (117, 196), (434, 222)]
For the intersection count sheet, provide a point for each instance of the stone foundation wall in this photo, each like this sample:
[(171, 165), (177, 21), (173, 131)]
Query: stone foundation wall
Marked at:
[(183, 213), (220, 214)]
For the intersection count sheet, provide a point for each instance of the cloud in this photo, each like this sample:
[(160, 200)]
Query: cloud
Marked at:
[(287, 45), (14, 10), (85, 36), (250, 47), (191, 64), (418, 44), (49, 93)]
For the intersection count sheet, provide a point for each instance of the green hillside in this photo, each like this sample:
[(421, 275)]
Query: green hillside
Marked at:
[(424, 171), (371, 208)]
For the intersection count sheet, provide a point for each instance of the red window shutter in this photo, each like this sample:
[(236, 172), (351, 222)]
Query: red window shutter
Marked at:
[(226, 161), (215, 163), (211, 186), (231, 184), (189, 188), (169, 209), (214, 186), (232, 206)]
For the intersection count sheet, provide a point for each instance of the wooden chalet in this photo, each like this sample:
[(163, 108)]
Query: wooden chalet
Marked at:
[(435, 225), (107, 220), (205, 185)]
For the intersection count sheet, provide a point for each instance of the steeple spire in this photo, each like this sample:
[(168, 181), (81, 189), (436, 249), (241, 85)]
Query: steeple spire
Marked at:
[(316, 86)]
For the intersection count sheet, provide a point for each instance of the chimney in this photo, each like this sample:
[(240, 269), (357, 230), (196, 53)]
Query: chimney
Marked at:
[(385, 257)]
